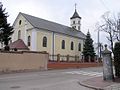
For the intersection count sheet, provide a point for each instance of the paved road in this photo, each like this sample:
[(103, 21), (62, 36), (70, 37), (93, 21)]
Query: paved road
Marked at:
[(66, 79)]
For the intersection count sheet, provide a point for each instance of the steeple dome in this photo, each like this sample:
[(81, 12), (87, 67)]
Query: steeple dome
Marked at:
[(75, 20), (75, 15)]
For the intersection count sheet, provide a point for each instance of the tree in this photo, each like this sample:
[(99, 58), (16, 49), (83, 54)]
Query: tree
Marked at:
[(109, 25), (117, 59), (5, 29), (88, 49)]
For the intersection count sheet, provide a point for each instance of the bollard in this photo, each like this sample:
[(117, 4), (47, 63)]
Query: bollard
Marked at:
[(107, 65)]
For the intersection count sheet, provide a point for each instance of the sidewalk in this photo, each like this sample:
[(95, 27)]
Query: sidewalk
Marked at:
[(98, 83)]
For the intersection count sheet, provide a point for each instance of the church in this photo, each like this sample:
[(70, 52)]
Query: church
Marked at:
[(42, 35)]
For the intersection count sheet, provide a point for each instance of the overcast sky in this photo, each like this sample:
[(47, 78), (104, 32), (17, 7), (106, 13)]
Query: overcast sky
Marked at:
[(60, 11)]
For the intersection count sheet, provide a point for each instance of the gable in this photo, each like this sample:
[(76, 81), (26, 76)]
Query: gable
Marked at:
[(20, 24), (23, 20)]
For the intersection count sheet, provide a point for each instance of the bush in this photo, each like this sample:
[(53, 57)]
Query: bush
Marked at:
[(7, 48), (117, 59)]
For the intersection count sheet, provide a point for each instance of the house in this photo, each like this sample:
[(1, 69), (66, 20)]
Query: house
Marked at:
[(43, 35)]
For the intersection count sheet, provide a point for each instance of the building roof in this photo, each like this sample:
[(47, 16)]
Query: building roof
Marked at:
[(18, 44), (75, 15), (52, 26)]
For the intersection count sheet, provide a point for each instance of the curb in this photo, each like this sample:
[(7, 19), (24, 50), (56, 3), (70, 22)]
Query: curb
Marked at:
[(89, 86)]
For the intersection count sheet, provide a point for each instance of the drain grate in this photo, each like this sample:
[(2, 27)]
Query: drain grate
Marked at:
[(14, 87)]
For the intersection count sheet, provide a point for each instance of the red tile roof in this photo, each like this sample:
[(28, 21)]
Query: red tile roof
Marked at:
[(18, 44)]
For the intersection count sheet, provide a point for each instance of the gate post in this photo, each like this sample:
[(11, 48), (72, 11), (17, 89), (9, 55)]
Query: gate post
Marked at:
[(107, 65)]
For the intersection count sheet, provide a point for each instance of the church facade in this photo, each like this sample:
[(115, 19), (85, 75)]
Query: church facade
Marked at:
[(43, 35)]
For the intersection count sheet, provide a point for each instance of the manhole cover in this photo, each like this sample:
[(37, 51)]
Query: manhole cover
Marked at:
[(14, 87)]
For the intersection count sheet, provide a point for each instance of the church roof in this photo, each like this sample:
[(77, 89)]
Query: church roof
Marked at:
[(75, 15), (52, 26), (18, 44)]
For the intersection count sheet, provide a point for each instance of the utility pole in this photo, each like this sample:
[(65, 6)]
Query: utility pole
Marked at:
[(98, 45)]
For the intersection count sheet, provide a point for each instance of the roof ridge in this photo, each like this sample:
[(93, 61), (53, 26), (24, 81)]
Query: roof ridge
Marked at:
[(45, 19), (44, 24)]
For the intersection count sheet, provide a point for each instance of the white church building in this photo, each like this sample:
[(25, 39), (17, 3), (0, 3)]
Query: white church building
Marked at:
[(43, 35)]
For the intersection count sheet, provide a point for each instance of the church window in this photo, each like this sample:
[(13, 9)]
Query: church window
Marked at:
[(72, 45), (19, 34), (29, 40), (73, 22), (78, 22), (20, 22), (44, 41), (78, 27), (63, 44), (79, 47)]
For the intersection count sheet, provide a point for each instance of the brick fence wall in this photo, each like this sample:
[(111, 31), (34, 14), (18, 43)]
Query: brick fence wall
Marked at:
[(64, 65)]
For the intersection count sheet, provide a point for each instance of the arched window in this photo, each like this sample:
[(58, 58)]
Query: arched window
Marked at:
[(73, 22), (20, 22), (78, 27), (72, 45), (19, 34), (29, 40), (79, 47), (44, 41), (63, 44)]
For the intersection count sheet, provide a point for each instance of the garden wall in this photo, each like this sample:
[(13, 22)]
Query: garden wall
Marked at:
[(23, 60)]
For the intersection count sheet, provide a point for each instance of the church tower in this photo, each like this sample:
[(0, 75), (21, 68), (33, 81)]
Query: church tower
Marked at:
[(75, 20)]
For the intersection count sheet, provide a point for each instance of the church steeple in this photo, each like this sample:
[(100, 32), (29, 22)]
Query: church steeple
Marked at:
[(75, 20)]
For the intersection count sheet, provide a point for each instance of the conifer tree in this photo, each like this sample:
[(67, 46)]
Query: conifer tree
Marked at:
[(117, 59), (88, 49), (5, 29)]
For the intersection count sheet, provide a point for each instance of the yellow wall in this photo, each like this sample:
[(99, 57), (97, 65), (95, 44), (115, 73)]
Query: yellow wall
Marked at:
[(57, 43), (40, 35), (68, 40)]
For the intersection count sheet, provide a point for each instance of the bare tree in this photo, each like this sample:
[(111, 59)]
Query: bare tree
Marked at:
[(109, 25)]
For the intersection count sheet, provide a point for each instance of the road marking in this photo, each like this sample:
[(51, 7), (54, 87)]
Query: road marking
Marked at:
[(88, 73)]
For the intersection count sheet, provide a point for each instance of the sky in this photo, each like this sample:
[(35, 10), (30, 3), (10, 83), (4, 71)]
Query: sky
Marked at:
[(60, 11)]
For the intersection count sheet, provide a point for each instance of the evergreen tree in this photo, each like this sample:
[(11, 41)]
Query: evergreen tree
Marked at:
[(5, 29), (117, 59), (88, 49)]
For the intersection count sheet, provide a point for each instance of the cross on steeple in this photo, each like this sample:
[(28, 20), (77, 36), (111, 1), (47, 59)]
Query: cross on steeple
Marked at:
[(75, 6)]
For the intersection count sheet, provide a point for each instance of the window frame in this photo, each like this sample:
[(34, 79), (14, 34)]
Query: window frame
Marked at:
[(79, 47), (20, 22), (63, 44), (73, 22), (72, 45), (29, 41), (44, 41)]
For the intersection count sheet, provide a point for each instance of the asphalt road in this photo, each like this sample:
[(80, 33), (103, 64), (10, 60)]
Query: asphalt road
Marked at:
[(66, 79)]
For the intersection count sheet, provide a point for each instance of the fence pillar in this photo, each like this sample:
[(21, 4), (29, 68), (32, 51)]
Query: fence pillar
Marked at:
[(75, 58), (58, 57), (107, 65), (67, 58), (89, 59)]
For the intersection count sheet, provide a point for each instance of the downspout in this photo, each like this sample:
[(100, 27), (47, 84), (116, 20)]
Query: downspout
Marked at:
[(53, 46)]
